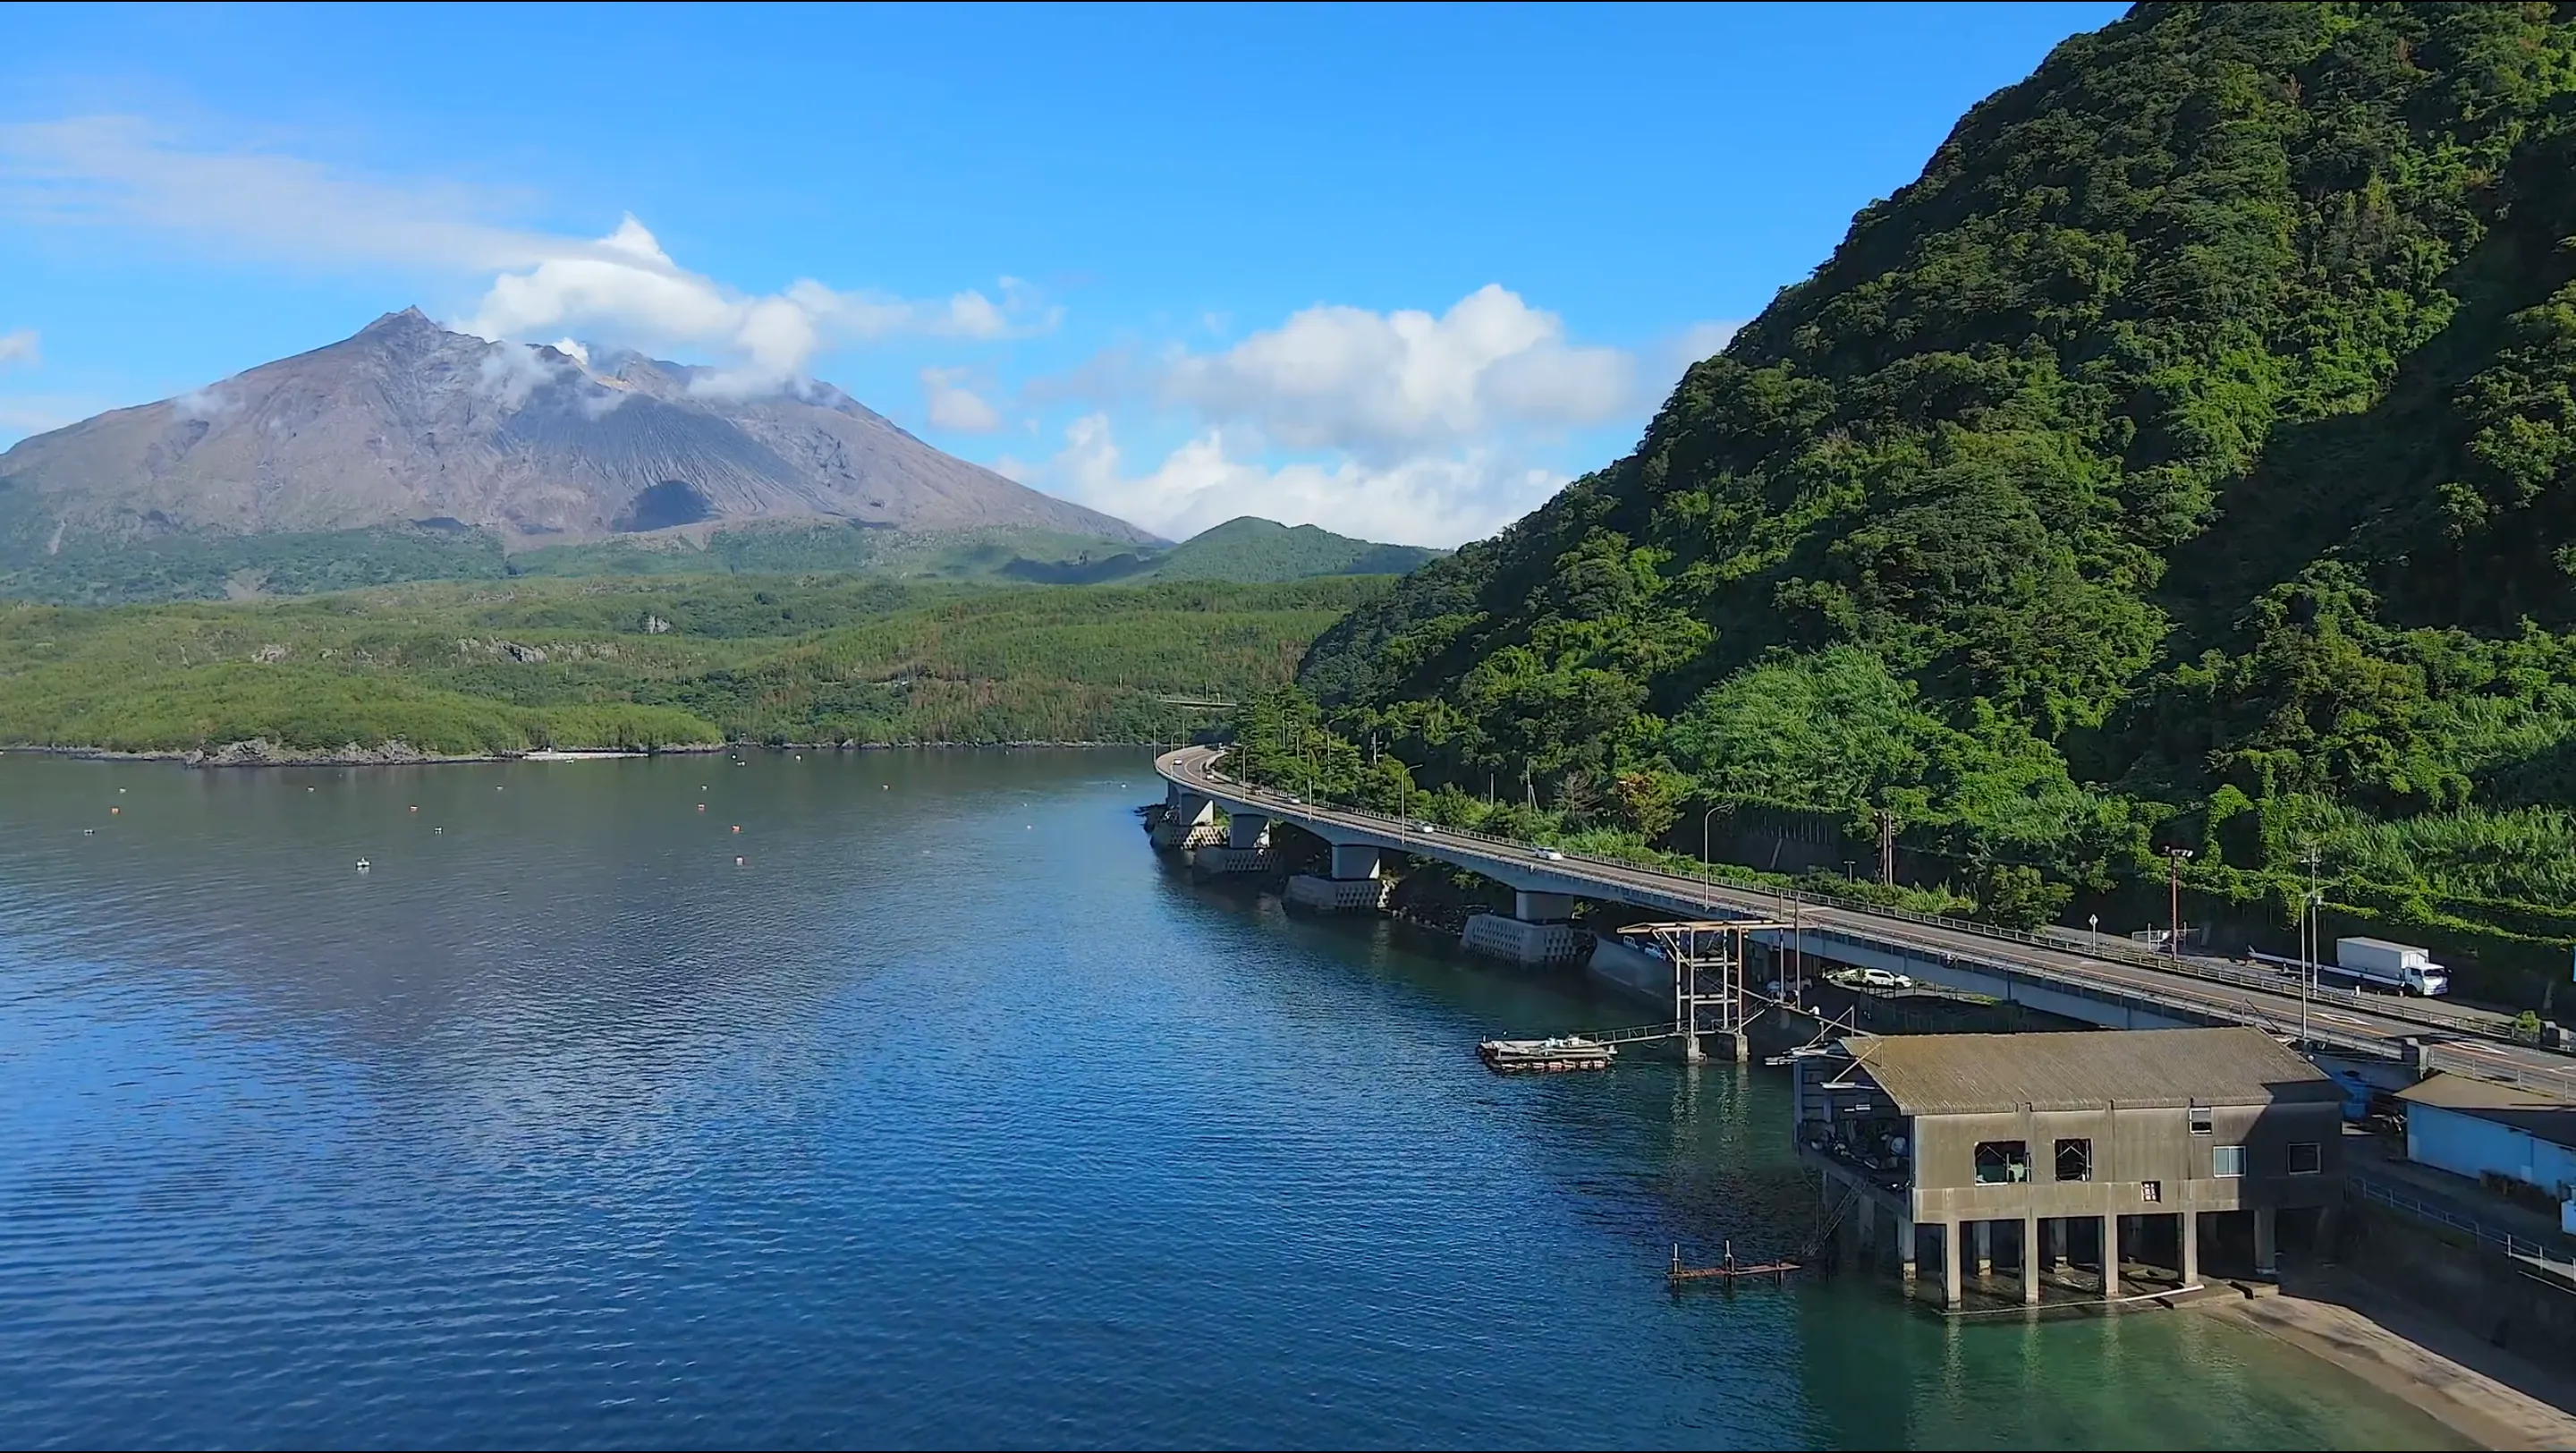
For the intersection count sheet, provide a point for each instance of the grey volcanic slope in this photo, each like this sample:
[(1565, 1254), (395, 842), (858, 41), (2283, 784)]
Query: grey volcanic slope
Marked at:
[(409, 422)]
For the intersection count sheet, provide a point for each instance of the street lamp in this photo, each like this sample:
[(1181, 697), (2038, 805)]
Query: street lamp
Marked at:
[(1707, 869), (2093, 921), (2174, 859)]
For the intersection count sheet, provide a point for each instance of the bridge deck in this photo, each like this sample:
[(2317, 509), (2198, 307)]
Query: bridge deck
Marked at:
[(2458, 1040)]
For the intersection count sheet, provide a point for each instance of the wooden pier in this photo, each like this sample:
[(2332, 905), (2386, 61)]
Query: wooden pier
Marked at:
[(1545, 1056)]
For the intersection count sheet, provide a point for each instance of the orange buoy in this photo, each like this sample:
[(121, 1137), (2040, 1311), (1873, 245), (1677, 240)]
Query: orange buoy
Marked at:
[(737, 827), (702, 807), (113, 811)]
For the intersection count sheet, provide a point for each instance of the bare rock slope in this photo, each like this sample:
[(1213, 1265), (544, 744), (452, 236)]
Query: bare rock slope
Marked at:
[(407, 422)]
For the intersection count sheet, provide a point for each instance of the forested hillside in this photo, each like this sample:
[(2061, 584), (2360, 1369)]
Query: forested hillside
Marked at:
[(2187, 458), (502, 667)]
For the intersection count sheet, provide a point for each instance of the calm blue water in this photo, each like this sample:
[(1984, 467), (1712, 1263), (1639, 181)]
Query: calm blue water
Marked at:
[(946, 1116)]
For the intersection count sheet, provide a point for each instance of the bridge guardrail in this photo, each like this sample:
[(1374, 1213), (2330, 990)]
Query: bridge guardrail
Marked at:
[(2463, 1021)]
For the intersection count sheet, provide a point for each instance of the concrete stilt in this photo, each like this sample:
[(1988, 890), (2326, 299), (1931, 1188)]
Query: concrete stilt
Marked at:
[(1950, 1264), (2056, 1233), (2190, 1231), (1907, 1244), (2266, 1255), (1691, 1052), (1868, 1229), (2030, 1261), (1354, 861), (2110, 1257), (1985, 1248)]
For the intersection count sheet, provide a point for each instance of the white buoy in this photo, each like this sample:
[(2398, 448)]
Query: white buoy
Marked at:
[(364, 865), (89, 832), (439, 830)]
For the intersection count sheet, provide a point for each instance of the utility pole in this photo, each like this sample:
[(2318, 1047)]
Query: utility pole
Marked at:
[(1886, 848), (2308, 924), (2174, 859)]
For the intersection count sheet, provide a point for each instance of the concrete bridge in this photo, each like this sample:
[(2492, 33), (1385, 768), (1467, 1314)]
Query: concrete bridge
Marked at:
[(2111, 985)]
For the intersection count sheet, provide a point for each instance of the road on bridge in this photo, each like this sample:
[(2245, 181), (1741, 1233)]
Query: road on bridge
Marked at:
[(2463, 1041)]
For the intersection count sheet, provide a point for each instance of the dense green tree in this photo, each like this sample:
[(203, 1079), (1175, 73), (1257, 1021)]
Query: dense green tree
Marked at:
[(2202, 421)]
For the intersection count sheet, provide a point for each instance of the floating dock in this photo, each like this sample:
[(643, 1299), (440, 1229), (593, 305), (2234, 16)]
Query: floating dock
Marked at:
[(1545, 1056), (1729, 1271)]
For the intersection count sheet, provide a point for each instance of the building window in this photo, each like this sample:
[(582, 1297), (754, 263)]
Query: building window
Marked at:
[(2228, 1161), (2151, 1190), (2002, 1162), (2200, 1120), (2306, 1158), (2075, 1160)]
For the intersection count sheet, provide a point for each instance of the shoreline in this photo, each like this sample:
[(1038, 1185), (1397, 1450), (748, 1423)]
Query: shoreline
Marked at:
[(260, 753), (2486, 1395)]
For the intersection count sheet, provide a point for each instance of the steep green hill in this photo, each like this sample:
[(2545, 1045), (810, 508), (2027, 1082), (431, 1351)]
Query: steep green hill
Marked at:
[(2187, 458), (1252, 549)]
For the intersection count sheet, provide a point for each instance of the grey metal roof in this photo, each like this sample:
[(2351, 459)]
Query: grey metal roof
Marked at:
[(1970, 1074), (2549, 1119)]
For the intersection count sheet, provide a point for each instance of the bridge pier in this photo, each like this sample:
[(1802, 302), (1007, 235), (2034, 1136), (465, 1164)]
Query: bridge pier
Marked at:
[(1246, 848), (1189, 821), (1539, 931), (1355, 885)]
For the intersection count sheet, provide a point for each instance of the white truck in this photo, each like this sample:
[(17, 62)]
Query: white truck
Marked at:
[(2375, 963)]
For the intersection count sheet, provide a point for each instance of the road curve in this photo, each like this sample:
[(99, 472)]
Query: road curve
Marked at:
[(2458, 1040)]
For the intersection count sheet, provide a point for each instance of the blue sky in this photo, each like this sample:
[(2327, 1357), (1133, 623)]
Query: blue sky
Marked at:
[(1396, 271)]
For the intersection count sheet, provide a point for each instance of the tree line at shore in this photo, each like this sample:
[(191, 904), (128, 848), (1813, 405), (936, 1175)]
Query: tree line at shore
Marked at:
[(482, 667)]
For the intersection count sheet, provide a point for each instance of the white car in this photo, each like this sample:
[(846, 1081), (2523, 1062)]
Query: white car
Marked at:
[(1882, 979), (1550, 854), (1424, 827)]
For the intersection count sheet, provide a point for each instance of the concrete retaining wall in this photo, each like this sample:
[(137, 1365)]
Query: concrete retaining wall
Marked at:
[(2486, 1292), (1631, 971)]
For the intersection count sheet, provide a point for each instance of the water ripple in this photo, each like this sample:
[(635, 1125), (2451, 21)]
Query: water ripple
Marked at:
[(927, 1110)]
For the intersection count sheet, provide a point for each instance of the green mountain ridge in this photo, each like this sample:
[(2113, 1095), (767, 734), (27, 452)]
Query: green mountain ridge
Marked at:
[(214, 567), (1249, 550), (2186, 459)]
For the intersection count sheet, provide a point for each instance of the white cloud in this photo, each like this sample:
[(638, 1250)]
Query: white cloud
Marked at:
[(629, 288), (19, 348), (210, 402), (1403, 426), (1425, 500), (955, 406), (1387, 386), (274, 206)]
